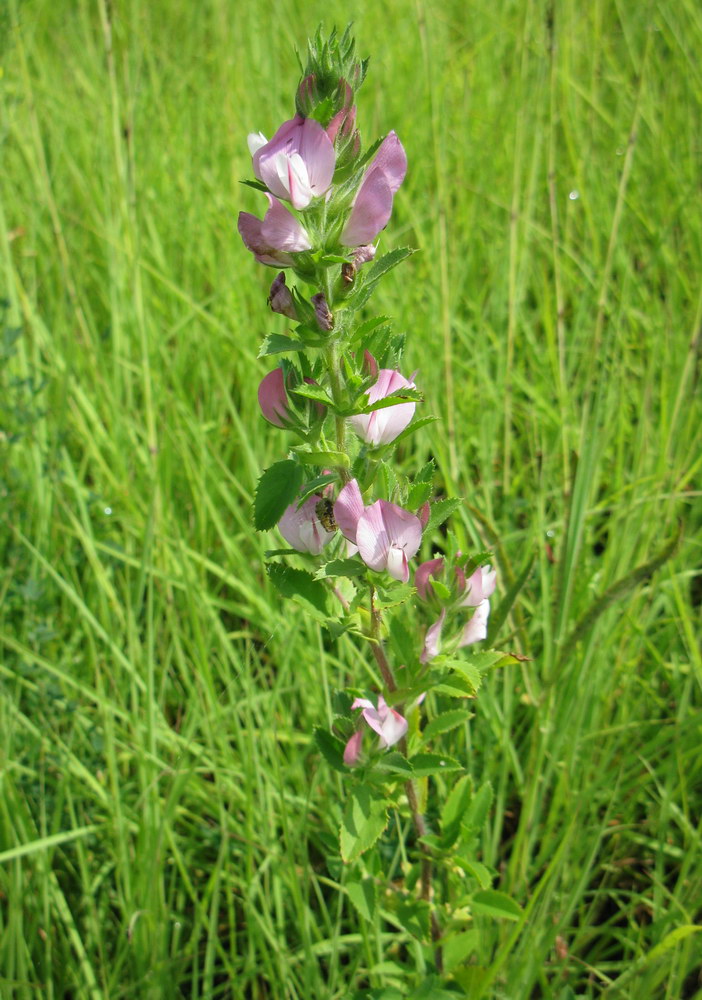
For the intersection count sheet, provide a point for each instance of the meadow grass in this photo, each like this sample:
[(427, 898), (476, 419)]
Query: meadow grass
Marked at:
[(167, 828)]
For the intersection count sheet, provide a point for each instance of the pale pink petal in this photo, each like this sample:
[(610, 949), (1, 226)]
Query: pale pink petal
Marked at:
[(432, 567), (476, 629), (371, 210), (298, 182), (273, 399), (480, 586), (372, 538), (432, 640), (393, 728), (250, 230), (362, 703), (302, 529), (391, 161), (348, 509), (383, 426), (352, 750), (404, 529), (317, 150), (374, 719), (282, 231)]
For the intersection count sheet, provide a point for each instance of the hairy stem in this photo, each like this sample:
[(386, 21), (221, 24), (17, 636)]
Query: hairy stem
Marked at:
[(333, 361), (420, 826)]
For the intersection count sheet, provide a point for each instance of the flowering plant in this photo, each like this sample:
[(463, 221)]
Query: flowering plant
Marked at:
[(355, 523)]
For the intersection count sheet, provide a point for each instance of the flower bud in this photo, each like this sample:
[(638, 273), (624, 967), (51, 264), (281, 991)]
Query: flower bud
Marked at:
[(322, 312), (280, 298), (273, 399)]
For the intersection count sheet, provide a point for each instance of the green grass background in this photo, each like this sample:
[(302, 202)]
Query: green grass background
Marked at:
[(165, 822)]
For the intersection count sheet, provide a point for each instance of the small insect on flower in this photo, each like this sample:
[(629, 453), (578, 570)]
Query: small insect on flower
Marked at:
[(325, 512)]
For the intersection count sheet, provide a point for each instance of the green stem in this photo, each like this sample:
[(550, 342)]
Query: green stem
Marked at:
[(427, 891), (337, 392)]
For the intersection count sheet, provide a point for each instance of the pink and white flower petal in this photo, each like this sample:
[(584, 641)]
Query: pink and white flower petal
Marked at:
[(348, 509), (383, 426), (382, 530), (371, 211), (432, 640), (480, 586), (282, 231), (302, 529), (476, 629), (423, 573), (273, 398)]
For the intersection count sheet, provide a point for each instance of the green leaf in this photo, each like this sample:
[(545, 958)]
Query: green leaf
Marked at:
[(426, 764), (418, 495), (486, 659), (393, 597), (454, 809), (469, 675), (445, 722), (403, 641), (366, 328), (331, 748), (315, 486), (277, 489), (386, 263), (457, 947), (340, 567), (256, 185), (413, 915), (395, 762), (415, 426), (301, 587), (440, 511), (493, 903), (324, 458), (363, 896), (314, 392), (455, 686), (476, 814), (480, 873), (402, 395), (365, 818), (278, 343)]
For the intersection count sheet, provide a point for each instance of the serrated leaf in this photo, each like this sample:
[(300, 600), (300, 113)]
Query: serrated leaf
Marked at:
[(476, 814), (394, 597), (367, 327), (395, 762), (363, 896), (493, 903), (365, 818), (278, 343), (445, 722), (301, 587), (331, 748), (381, 265), (314, 392), (402, 395), (256, 185), (277, 489), (480, 873), (466, 670), (440, 511), (340, 567), (415, 426), (426, 764), (324, 458), (488, 659), (315, 486), (418, 495)]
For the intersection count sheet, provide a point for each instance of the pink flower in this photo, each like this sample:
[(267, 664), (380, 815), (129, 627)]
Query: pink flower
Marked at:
[(348, 509), (373, 203), (273, 399), (273, 239), (301, 527), (298, 162), (383, 426), (387, 536), (423, 574), (385, 721), (352, 750), (479, 587), (476, 629), (432, 640)]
